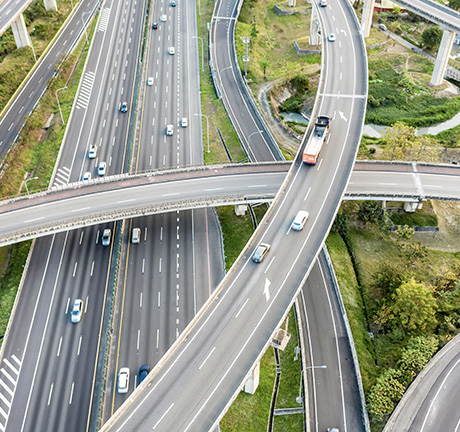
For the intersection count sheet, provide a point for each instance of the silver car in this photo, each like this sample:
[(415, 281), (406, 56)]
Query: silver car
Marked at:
[(106, 237), (260, 252)]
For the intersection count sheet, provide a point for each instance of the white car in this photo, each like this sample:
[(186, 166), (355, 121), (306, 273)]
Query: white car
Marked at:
[(86, 176), (172, 50), (123, 380), (92, 152), (101, 169), (106, 237), (163, 18), (136, 237), (77, 310), (323, 3), (299, 221), (169, 130), (331, 37), (184, 122), (150, 81)]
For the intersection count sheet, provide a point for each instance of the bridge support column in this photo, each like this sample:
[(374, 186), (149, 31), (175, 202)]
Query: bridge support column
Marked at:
[(50, 4), (366, 19), (240, 209), (410, 207), (440, 65), (21, 35), (314, 27), (253, 382)]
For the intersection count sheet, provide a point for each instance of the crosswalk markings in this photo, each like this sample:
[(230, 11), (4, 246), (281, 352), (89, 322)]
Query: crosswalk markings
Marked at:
[(85, 90), (62, 177), (104, 21), (6, 392)]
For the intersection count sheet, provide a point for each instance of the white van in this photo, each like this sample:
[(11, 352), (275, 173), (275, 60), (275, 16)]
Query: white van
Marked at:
[(136, 237)]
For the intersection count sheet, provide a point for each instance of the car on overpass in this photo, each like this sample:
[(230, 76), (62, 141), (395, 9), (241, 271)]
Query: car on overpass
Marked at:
[(260, 252)]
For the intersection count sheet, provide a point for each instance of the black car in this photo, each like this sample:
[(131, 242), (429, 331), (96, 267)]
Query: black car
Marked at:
[(155, 26), (143, 372)]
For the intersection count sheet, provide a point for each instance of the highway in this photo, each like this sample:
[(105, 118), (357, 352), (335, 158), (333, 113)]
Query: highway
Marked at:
[(60, 361), (430, 403), (32, 88), (182, 189), (197, 379), (170, 274)]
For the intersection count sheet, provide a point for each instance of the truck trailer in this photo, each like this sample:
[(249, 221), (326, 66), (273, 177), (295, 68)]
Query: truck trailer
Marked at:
[(316, 140)]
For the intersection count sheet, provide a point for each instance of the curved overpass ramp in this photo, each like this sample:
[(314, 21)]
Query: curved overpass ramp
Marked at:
[(129, 196)]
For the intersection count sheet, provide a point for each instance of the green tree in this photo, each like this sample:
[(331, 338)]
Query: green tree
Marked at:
[(431, 37), (264, 65), (417, 354), (388, 278), (404, 232), (414, 307), (340, 224), (387, 390), (370, 211), (422, 150), (454, 4), (414, 251), (397, 138)]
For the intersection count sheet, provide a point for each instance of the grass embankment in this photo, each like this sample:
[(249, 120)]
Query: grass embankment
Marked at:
[(15, 63), (371, 268), (212, 106), (35, 156), (272, 36)]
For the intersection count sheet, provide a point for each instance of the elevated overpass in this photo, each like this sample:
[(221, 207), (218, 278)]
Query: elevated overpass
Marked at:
[(446, 18), (128, 196)]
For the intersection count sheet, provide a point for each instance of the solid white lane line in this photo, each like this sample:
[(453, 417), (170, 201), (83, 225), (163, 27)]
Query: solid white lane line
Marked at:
[(273, 259), (59, 347), (163, 416), (79, 346), (206, 359), (242, 307), (71, 393)]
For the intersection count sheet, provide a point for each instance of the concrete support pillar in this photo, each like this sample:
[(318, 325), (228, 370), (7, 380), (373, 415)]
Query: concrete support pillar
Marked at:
[(291, 3), (21, 35), (366, 19), (253, 382), (240, 209), (440, 65), (410, 207), (50, 4), (314, 27)]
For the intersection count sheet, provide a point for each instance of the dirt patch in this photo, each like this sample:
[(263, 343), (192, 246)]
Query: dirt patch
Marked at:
[(448, 237)]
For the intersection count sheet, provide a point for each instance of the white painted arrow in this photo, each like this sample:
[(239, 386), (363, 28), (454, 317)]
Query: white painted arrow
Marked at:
[(342, 116), (266, 290)]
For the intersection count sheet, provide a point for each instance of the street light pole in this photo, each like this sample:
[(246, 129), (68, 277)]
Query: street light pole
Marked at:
[(207, 127), (59, 105), (25, 183), (202, 52), (299, 399)]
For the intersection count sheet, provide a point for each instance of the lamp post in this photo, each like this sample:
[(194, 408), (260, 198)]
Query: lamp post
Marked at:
[(299, 399), (59, 105), (25, 183), (202, 52), (207, 126)]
